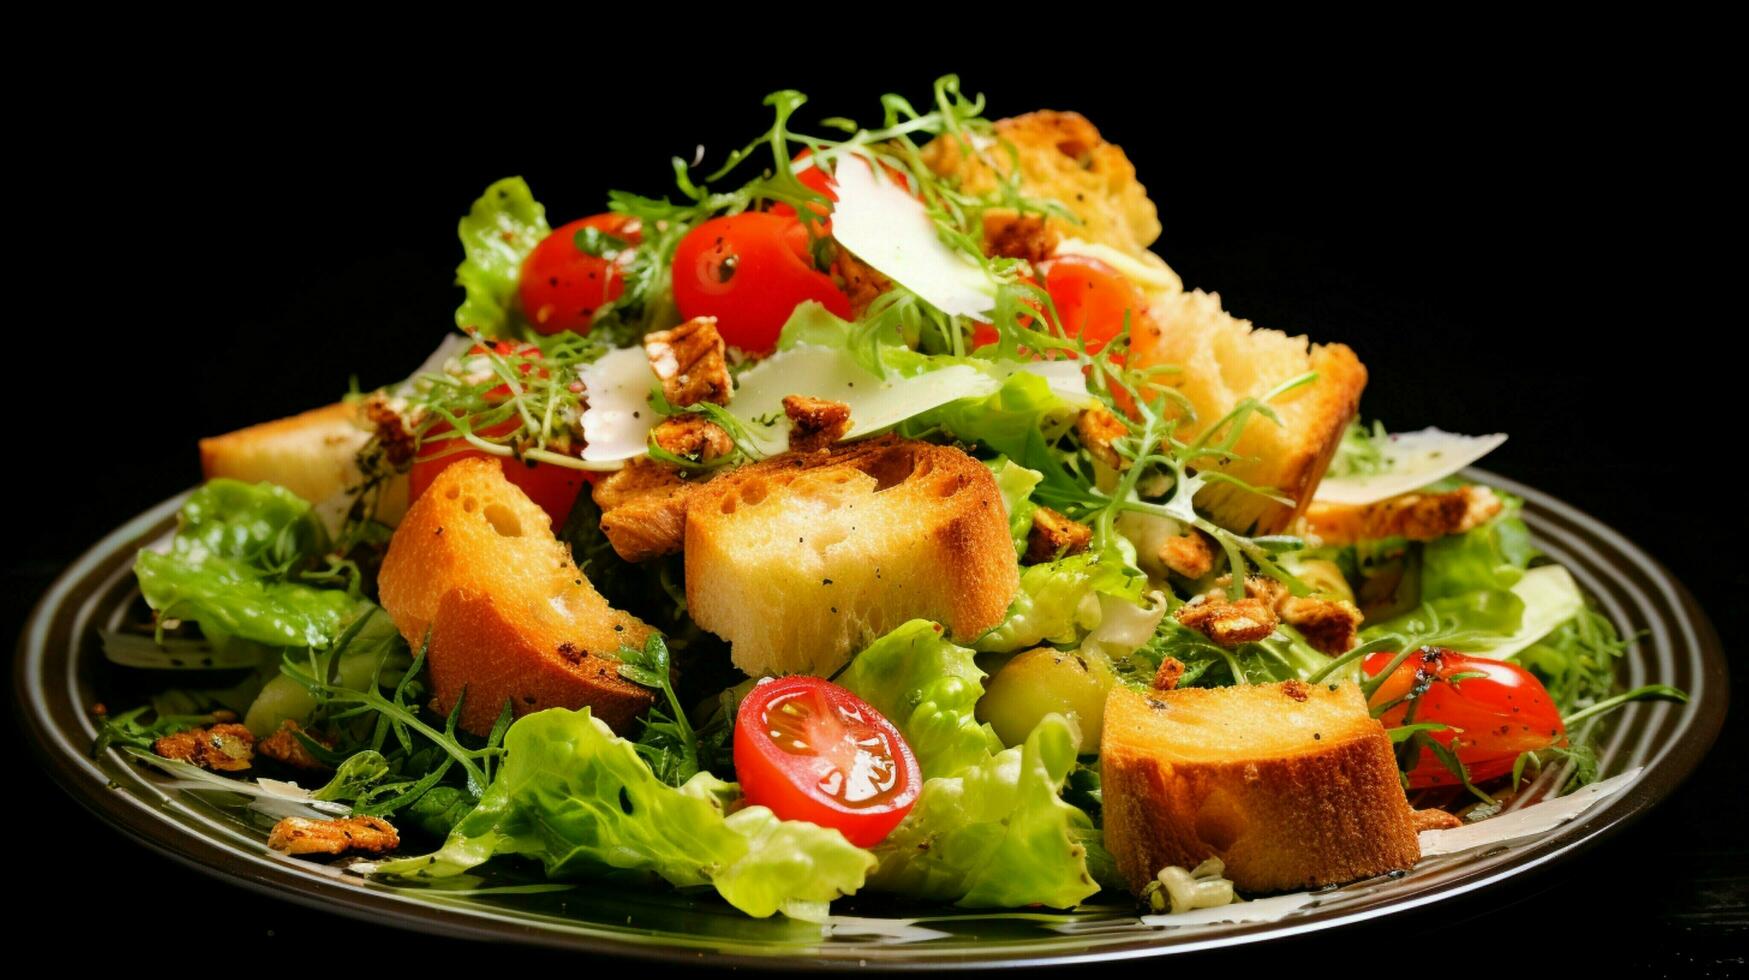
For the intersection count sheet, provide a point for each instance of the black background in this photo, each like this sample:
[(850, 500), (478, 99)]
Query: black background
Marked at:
[(1515, 235)]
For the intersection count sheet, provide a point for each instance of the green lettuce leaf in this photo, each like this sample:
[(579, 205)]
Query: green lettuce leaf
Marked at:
[(231, 564), (1059, 601), (1283, 656), (580, 800), (1015, 483), (997, 834), (928, 687), (1022, 420), (1469, 595), (498, 232)]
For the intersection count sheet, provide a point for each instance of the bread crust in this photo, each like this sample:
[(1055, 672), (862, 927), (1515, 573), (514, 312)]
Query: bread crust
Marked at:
[(1316, 812), (800, 559), (313, 454), (509, 614)]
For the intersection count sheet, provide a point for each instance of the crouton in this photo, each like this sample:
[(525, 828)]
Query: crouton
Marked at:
[(1291, 785), (302, 836), (510, 616), (1062, 158), (1225, 360), (226, 747), (643, 509), (1054, 536), (1414, 516), (1329, 624), (815, 423), (1098, 428), (1229, 622), (689, 362), (313, 454), (801, 559), (863, 283)]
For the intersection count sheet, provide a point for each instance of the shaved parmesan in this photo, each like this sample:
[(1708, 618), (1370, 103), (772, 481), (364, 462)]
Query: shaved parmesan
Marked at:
[(1412, 460), (1156, 277), (886, 227), (1064, 378), (831, 373), (616, 426)]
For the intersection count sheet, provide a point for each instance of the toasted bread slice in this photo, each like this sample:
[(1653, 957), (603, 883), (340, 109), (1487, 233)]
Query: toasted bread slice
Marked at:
[(313, 454), (1224, 360), (509, 614), (1291, 785), (1062, 158), (800, 560)]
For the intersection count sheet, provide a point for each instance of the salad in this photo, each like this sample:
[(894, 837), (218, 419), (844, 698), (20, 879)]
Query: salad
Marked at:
[(842, 523)]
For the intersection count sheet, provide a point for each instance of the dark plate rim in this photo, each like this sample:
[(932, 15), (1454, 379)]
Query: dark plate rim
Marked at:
[(1703, 719)]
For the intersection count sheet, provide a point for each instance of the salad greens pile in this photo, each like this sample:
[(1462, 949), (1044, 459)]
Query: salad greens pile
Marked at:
[(257, 583)]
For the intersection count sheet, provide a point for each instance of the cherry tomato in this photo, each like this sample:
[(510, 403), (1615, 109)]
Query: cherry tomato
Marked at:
[(1495, 711), (562, 286), (553, 488), (750, 271), (810, 750), (1092, 299)]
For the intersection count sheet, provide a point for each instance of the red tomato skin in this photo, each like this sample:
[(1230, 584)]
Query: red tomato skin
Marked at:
[(1092, 299), (553, 488), (750, 271), (774, 778), (562, 287), (1493, 718)]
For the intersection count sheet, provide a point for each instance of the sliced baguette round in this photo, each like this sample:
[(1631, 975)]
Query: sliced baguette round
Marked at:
[(800, 560), (510, 616), (1291, 785)]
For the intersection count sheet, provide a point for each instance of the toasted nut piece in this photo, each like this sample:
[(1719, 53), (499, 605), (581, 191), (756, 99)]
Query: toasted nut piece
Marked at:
[(301, 835), (221, 748), (816, 423), (1329, 625), (689, 361), (392, 434), (1415, 516), (1097, 428), (643, 509), (1018, 236), (692, 436), (1054, 536), (1170, 672), (1431, 819), (1188, 555), (1229, 622), (863, 283), (284, 746)]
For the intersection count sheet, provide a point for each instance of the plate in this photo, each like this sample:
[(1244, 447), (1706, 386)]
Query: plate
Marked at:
[(1647, 750)]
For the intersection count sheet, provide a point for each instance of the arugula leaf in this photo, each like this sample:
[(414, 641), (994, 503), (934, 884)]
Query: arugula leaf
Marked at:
[(668, 742)]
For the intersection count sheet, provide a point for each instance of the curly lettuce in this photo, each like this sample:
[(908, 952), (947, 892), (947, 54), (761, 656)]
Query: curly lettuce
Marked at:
[(990, 829), (233, 566), (929, 687), (581, 801), (997, 834), (1059, 601), (497, 234)]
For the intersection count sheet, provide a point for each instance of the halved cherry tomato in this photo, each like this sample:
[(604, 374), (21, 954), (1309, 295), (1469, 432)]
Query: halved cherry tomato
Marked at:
[(553, 488), (1092, 299), (810, 750), (750, 271), (1495, 710), (562, 286)]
